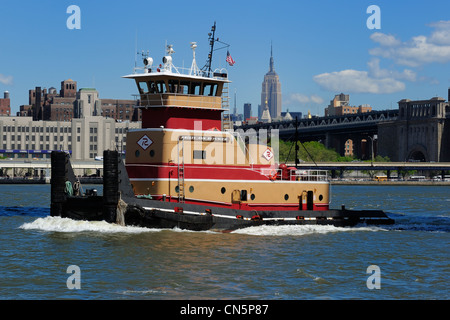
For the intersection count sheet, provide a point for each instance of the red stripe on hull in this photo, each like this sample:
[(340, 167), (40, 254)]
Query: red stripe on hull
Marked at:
[(140, 171)]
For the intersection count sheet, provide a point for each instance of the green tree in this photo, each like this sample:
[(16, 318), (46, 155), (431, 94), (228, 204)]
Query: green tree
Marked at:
[(309, 151)]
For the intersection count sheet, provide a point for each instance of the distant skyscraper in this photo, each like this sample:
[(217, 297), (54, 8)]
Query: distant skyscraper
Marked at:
[(247, 111), (271, 90)]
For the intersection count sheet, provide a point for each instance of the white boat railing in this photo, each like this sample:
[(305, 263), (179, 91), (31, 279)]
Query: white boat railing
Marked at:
[(309, 175), (295, 174), (218, 74)]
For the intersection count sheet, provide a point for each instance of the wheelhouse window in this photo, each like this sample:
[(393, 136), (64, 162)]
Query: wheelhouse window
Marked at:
[(173, 86), (195, 88), (143, 88), (161, 86), (199, 88), (210, 89), (184, 87)]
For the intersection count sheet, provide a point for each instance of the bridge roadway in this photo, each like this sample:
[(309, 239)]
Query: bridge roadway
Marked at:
[(318, 127), (437, 166)]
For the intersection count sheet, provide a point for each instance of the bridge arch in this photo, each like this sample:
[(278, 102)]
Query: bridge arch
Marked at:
[(418, 153)]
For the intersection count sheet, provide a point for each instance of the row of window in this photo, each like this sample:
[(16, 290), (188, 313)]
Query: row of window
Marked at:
[(37, 129), (41, 138), (54, 129), (92, 138), (33, 147), (177, 86)]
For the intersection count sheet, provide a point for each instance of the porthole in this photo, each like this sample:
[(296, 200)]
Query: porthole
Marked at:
[(152, 153), (320, 197), (223, 190), (177, 189), (286, 197), (137, 153), (191, 189), (252, 196)]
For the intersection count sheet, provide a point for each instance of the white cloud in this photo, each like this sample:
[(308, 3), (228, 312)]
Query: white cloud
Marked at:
[(384, 39), (316, 99), (7, 80), (354, 81), (376, 72), (441, 36), (302, 98), (419, 50)]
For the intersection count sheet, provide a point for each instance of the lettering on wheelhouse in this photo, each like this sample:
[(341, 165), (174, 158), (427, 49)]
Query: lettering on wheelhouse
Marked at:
[(204, 138)]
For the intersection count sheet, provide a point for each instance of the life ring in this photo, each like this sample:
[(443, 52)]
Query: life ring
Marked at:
[(68, 189), (256, 217), (273, 175)]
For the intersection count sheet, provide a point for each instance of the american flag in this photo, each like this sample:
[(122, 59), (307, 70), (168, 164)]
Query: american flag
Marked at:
[(230, 59)]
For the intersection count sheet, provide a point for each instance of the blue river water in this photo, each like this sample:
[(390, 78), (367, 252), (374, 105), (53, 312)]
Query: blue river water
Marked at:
[(261, 263)]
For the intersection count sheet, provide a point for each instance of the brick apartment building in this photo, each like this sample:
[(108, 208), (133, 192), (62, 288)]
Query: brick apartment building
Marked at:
[(5, 105), (69, 103), (340, 106)]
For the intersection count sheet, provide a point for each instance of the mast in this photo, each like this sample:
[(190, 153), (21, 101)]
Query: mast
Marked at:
[(207, 67), (212, 40)]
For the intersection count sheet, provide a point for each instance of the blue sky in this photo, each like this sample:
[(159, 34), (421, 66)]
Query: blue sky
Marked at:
[(321, 48)]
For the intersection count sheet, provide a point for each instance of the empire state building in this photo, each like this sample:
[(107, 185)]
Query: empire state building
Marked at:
[(271, 91)]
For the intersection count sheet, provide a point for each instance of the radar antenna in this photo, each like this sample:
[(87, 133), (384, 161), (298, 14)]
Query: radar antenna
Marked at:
[(194, 68)]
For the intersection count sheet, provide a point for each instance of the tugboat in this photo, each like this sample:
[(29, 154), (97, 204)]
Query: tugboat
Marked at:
[(186, 169)]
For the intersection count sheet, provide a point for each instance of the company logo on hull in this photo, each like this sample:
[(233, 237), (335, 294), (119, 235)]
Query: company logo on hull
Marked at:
[(268, 154), (145, 142)]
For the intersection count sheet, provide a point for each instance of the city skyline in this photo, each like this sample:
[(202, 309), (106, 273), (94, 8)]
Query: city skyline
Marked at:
[(321, 48)]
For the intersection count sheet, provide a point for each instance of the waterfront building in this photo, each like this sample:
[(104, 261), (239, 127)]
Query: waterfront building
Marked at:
[(288, 115), (348, 148), (271, 91), (420, 133), (121, 110), (87, 103), (5, 105), (340, 106), (247, 111), (84, 138), (48, 105)]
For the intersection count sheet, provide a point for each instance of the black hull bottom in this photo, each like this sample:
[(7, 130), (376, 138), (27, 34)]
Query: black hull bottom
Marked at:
[(157, 214)]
